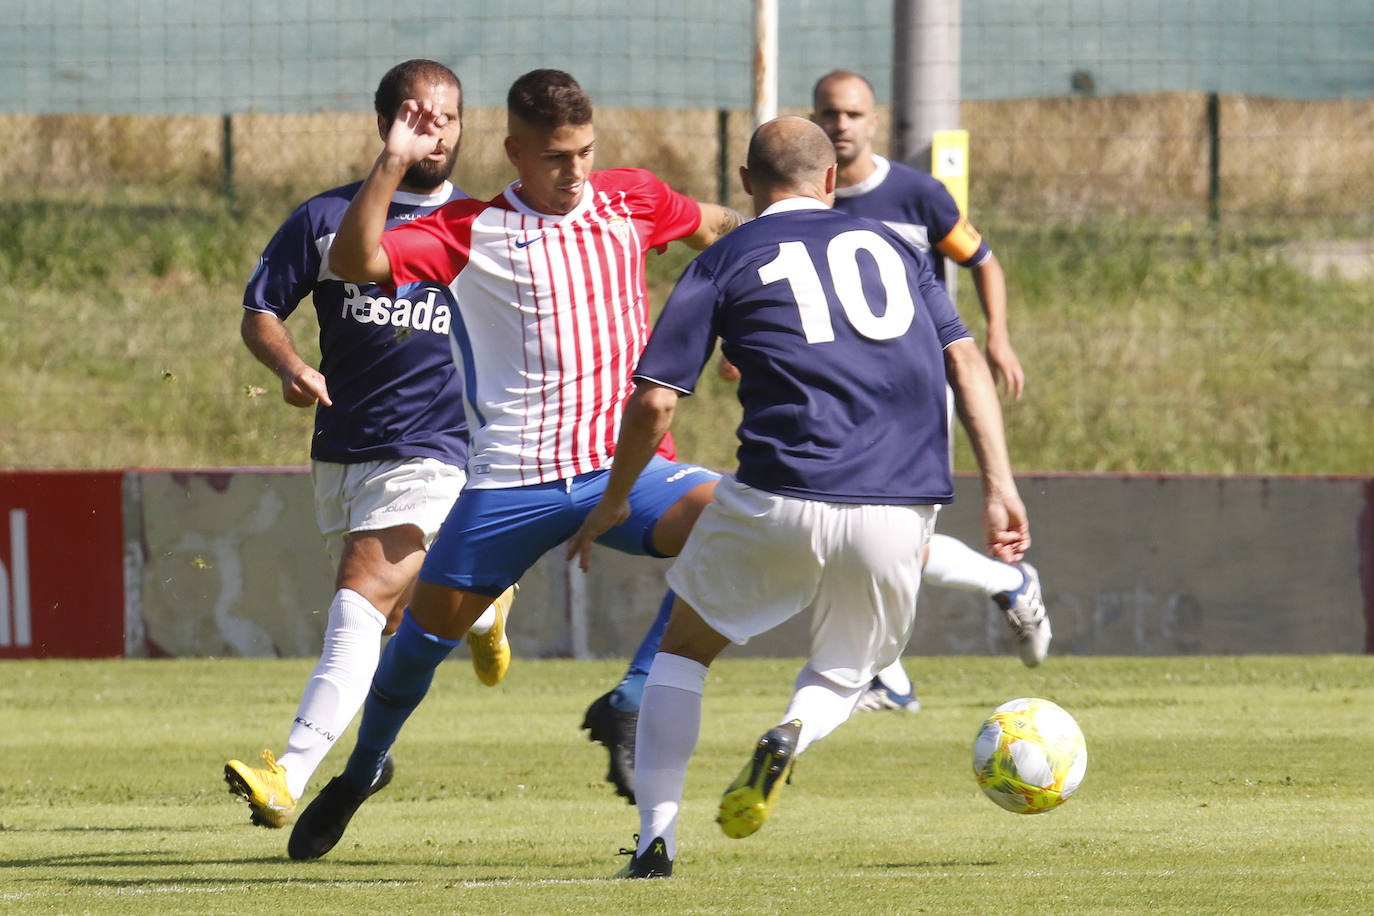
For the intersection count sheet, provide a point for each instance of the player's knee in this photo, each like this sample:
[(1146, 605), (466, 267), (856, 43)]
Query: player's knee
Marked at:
[(690, 637)]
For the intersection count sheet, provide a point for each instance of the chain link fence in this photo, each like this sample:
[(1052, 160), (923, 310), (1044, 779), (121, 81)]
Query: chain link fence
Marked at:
[(1099, 130), (1250, 110)]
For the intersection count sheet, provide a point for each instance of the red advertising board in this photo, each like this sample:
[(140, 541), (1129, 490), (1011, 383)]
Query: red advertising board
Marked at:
[(61, 564)]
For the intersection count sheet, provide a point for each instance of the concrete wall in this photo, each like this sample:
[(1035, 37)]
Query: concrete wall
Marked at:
[(1182, 565), (232, 565)]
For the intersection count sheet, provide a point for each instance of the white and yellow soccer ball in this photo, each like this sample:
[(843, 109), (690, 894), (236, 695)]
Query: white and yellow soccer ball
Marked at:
[(1029, 756)]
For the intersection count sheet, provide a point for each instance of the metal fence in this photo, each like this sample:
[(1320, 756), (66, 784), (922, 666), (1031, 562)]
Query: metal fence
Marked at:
[(1252, 108), (1136, 120)]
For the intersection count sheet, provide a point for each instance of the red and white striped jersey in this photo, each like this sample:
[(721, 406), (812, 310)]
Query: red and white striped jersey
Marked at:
[(551, 316)]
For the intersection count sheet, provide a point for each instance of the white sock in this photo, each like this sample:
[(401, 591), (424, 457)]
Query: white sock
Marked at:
[(894, 678), (953, 564), (821, 704), (669, 723), (485, 622), (337, 686)]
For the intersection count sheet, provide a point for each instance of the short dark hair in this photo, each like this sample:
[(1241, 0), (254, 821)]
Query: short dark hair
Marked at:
[(549, 99), (400, 82), (841, 75)]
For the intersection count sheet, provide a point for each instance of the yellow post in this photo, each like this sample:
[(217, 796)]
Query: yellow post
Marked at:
[(949, 163)]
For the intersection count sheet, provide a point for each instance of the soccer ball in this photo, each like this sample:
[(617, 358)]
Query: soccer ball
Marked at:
[(1029, 756)]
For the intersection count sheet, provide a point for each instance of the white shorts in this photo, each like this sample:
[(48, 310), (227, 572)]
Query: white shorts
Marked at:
[(755, 559), (374, 495)]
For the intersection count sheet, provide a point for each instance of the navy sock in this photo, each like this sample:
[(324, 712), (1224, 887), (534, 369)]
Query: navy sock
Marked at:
[(403, 677), (627, 695)]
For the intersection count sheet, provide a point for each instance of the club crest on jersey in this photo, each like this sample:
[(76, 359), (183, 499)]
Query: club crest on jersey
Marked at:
[(401, 313), (620, 228)]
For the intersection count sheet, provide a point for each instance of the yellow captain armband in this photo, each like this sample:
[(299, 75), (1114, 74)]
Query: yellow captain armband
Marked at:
[(961, 243)]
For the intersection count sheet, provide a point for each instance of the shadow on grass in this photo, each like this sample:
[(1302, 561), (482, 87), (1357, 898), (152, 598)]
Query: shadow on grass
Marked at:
[(928, 863), (297, 874), (233, 881), (134, 857), (132, 828)]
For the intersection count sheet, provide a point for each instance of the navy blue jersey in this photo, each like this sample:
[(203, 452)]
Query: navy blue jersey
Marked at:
[(919, 208), (838, 327), (385, 357)]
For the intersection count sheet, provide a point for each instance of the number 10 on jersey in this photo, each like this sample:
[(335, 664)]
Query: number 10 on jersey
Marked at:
[(794, 264)]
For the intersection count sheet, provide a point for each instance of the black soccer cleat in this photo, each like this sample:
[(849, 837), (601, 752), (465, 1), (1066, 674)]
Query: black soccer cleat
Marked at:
[(654, 863), (323, 822), (615, 729)]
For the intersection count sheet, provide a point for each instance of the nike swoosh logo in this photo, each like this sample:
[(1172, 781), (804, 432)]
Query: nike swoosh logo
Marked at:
[(529, 242)]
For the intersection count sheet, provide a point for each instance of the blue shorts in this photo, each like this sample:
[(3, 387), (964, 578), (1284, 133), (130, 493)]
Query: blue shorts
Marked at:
[(493, 536)]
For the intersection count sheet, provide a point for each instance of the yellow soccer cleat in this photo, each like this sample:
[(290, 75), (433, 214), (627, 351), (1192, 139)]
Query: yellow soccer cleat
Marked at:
[(491, 650), (264, 788), (746, 802)]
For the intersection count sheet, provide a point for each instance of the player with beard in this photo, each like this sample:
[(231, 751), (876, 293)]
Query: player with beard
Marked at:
[(390, 443)]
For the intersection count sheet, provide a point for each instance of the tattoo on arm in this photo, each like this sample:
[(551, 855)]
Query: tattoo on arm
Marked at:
[(729, 219), (716, 221)]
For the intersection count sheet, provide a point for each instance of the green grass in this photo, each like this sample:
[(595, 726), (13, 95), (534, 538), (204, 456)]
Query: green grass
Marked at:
[(1214, 785), (1154, 351), (1147, 348)]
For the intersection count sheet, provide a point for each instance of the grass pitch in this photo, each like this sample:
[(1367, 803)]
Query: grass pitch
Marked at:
[(1214, 785), (1148, 347)]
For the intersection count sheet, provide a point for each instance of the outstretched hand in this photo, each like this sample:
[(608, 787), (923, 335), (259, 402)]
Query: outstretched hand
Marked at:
[(603, 517), (416, 131)]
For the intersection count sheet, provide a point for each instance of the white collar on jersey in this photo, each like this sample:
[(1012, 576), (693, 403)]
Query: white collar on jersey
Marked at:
[(521, 207), (882, 167), (788, 204), (425, 200)]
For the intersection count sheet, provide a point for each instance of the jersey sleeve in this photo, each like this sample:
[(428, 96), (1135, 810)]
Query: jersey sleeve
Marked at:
[(432, 248), (685, 335), (675, 215), (949, 327), (287, 270), (951, 232)]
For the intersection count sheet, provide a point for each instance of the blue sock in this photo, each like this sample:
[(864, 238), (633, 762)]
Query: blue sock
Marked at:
[(627, 694), (403, 677)]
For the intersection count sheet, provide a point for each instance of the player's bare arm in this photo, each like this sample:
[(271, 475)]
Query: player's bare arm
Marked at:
[(991, 285), (357, 252), (268, 339), (1005, 526), (648, 414), (716, 221)]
